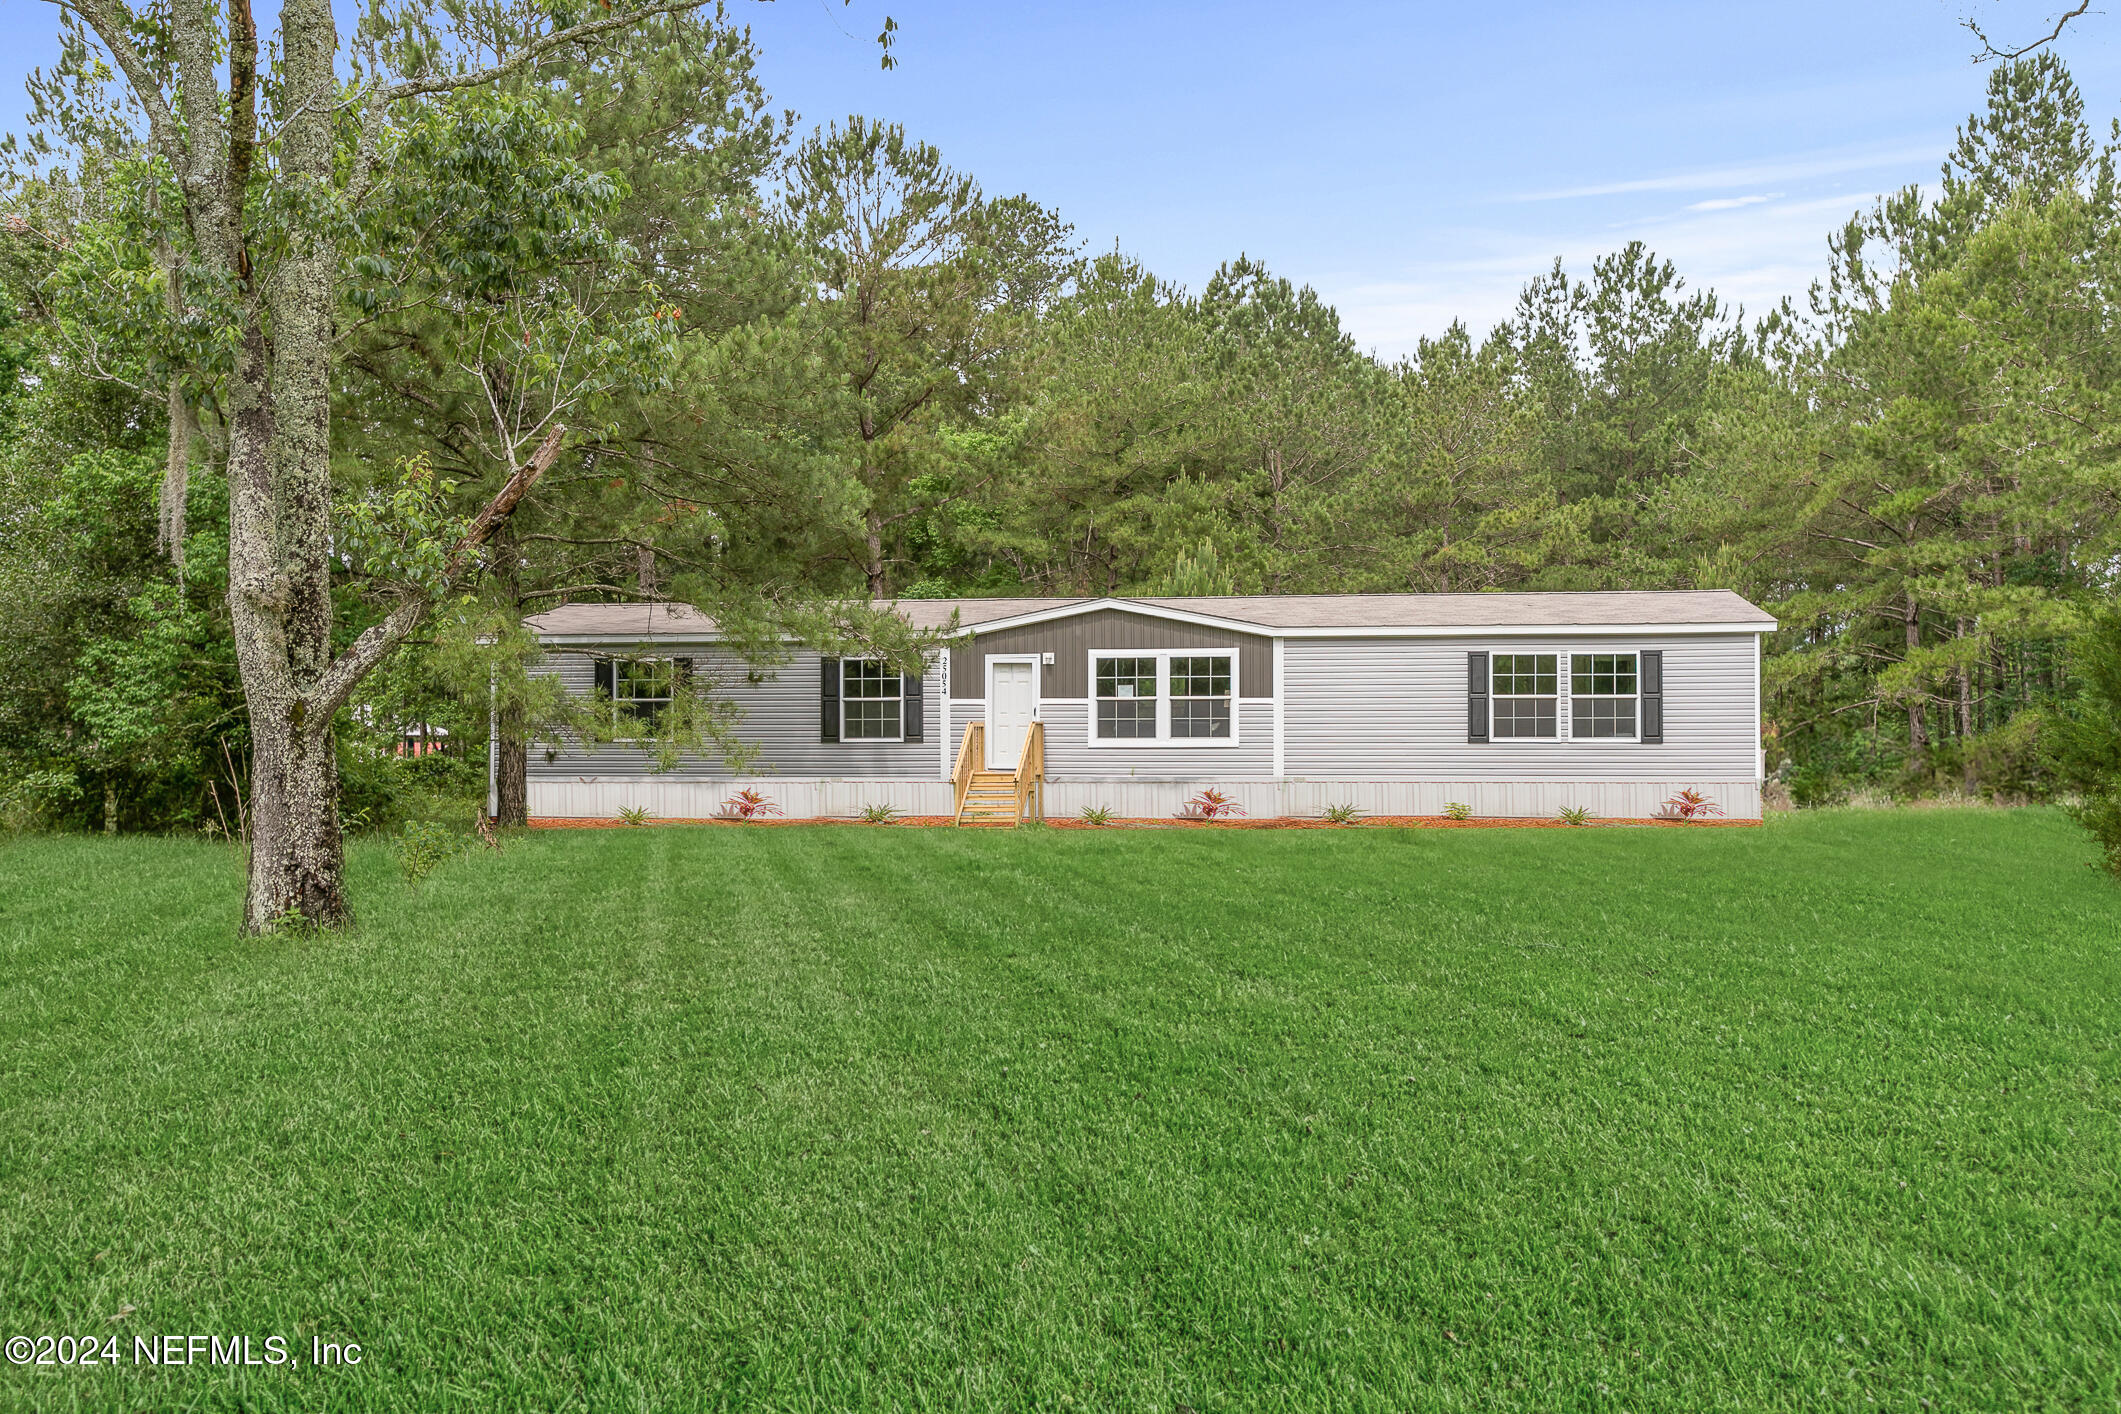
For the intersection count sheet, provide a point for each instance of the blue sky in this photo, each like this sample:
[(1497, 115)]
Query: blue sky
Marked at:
[(1414, 162)]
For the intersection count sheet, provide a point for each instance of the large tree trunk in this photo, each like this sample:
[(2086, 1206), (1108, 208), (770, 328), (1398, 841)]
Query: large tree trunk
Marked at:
[(873, 545), (512, 769), (1918, 732), (1969, 777), (277, 405), (279, 488), (511, 756)]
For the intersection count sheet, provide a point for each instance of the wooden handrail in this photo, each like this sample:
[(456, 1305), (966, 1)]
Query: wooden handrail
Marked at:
[(970, 752), (1031, 773)]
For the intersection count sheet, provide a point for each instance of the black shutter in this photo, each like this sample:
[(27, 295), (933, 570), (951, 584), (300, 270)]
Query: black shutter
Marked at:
[(681, 672), (828, 697), (1476, 697), (1653, 696), (910, 705), (607, 676)]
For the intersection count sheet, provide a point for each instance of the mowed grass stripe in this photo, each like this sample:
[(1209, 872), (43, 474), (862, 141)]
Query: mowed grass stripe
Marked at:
[(1800, 1117)]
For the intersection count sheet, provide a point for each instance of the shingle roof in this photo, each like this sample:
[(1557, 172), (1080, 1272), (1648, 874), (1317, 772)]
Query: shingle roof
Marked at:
[(1554, 610), (1291, 612), (622, 621)]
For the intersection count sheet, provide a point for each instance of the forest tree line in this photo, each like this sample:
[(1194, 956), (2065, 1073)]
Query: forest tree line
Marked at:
[(802, 367)]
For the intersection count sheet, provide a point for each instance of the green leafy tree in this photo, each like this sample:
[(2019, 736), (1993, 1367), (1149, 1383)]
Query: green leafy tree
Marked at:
[(1963, 500), (1297, 409), (268, 187), (923, 285)]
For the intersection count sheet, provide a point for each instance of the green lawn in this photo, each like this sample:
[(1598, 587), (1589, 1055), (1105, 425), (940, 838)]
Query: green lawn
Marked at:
[(1820, 1115)]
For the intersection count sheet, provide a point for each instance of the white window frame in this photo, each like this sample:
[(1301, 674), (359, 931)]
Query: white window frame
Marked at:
[(1564, 696), (1561, 696), (896, 681), (619, 715), (1568, 683), (1163, 737)]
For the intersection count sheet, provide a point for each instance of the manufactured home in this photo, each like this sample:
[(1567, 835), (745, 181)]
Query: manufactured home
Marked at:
[(1513, 704)]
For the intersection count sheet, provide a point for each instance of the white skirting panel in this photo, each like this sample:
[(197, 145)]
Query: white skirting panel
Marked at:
[(1264, 799), (800, 798), (813, 797)]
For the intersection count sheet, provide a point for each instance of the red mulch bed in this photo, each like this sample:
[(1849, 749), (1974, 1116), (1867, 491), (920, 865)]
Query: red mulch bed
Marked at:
[(1406, 822)]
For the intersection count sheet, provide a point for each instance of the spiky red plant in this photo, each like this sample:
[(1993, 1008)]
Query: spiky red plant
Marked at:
[(1212, 805), (749, 804), (1692, 805)]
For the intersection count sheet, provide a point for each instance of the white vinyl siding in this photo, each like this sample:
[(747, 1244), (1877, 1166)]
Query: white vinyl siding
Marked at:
[(1395, 709), (1069, 753), (780, 714)]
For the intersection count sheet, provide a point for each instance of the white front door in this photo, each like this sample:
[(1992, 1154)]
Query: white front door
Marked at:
[(1010, 701)]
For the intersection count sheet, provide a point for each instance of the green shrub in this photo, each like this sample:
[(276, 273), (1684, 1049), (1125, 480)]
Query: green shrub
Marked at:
[(425, 846), (1349, 814), (30, 801), (2086, 745), (1097, 815), (2100, 813), (2011, 761), (1576, 815), (381, 791), (1457, 810), (880, 814)]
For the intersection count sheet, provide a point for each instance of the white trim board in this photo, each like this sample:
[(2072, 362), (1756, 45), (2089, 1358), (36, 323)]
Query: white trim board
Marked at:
[(1260, 630), (1281, 694)]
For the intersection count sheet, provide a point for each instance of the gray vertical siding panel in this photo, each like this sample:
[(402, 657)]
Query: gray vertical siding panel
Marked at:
[(1395, 709), (1071, 639), (780, 715)]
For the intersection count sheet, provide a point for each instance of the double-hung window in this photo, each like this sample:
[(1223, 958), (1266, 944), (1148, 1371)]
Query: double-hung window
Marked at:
[(871, 701), (1200, 697), (1163, 697), (1126, 699), (1527, 696), (1603, 692), (640, 689)]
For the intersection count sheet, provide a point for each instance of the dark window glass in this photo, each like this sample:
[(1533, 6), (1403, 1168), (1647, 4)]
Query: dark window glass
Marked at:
[(1200, 677), (1527, 688), (1525, 717), (1527, 674), (1602, 690), (869, 701), (1200, 717), (1126, 698), (641, 689), (1602, 716), (1602, 675), (1200, 697)]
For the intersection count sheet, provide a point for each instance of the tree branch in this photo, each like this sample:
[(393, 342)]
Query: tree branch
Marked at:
[(536, 49), (323, 701), (1990, 51)]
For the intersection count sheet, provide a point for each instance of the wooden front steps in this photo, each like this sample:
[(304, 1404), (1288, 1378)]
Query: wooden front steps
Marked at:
[(987, 797), (990, 799)]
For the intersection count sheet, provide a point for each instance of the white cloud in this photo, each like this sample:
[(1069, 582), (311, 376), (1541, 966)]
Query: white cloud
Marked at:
[(1732, 203), (1789, 169)]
